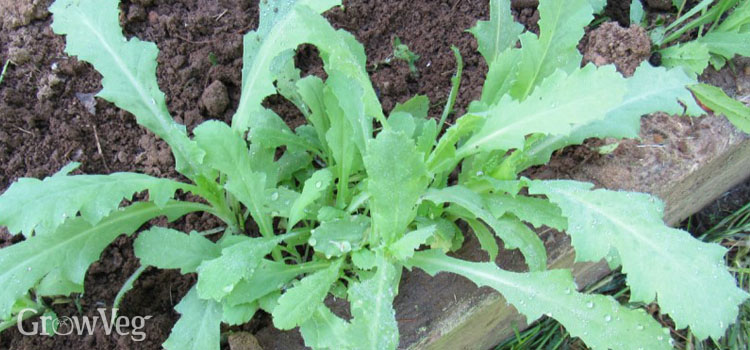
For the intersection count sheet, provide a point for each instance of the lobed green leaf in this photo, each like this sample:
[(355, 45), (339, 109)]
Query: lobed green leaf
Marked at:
[(373, 317), (660, 261), (650, 89), (38, 207), (72, 248), (559, 104), (128, 69), (717, 100), (199, 326), (299, 302), (397, 176), (499, 33), (226, 151), (218, 277), (315, 187), (171, 249), (600, 321), (510, 231)]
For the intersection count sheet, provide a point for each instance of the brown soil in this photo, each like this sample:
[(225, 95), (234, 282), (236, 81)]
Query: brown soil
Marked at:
[(48, 119)]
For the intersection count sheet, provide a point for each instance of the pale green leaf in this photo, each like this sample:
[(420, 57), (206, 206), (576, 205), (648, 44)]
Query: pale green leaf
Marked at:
[(128, 69), (506, 229), (403, 122), (349, 98), (315, 187), (269, 301), (637, 14), (501, 76), (343, 150), (404, 248), (329, 213), (73, 247), (737, 20), (599, 5), (55, 283), (448, 236), (235, 315), (364, 259), (199, 325), (270, 276), (268, 130), (692, 56), (171, 249), (426, 135), (443, 158), (727, 44), (484, 236), (127, 286), (499, 33), (278, 31), (218, 277), (650, 89), (397, 177), (688, 277), (339, 237), (40, 206), (263, 161), (717, 100), (279, 201), (560, 103), (292, 162), (287, 76), (373, 317), (226, 151), (417, 106), (536, 211), (561, 25), (324, 330), (717, 62), (67, 169), (299, 303), (291, 24), (600, 321), (310, 89)]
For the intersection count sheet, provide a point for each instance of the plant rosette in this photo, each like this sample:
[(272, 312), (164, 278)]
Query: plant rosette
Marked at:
[(347, 201)]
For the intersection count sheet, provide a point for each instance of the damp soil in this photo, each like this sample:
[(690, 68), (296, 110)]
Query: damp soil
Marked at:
[(49, 118)]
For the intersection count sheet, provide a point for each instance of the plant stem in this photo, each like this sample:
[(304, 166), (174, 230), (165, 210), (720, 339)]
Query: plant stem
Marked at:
[(455, 84), (5, 68)]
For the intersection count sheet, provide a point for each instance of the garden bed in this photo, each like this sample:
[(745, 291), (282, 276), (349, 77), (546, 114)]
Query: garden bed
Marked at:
[(50, 119)]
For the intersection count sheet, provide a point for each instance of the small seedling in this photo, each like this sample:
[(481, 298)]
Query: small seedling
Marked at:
[(402, 52)]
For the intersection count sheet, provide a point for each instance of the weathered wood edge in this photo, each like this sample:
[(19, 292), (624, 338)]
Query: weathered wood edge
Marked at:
[(489, 320)]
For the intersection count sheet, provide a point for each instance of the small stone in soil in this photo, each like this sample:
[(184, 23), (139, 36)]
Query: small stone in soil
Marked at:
[(243, 341), (215, 99)]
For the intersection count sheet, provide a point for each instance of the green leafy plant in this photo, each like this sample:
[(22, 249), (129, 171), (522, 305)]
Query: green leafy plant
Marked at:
[(402, 52), (344, 203), (722, 31)]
